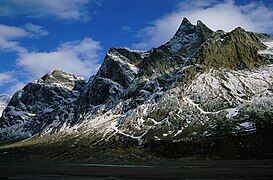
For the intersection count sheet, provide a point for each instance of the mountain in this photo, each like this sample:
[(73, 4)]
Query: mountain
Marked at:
[(4, 99), (42, 105), (201, 91)]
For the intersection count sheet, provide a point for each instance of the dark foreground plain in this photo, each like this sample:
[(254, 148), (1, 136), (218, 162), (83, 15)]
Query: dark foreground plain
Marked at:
[(205, 169)]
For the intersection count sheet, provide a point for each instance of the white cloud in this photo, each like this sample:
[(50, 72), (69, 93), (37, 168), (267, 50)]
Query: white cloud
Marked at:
[(6, 45), (188, 4), (36, 30), (9, 36), (4, 78), (77, 57), (86, 49), (11, 32), (215, 14), (60, 9)]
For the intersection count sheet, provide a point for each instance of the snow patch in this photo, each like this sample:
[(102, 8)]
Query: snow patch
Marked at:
[(269, 48), (123, 60)]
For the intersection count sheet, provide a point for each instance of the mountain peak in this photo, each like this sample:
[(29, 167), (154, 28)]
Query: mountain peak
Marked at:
[(185, 27), (185, 21), (203, 31), (62, 78), (200, 24), (239, 29), (189, 37)]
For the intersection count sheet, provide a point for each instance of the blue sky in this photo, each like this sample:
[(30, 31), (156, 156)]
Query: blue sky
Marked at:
[(38, 36)]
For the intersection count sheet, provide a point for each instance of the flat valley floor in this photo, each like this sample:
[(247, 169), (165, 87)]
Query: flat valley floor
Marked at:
[(205, 169)]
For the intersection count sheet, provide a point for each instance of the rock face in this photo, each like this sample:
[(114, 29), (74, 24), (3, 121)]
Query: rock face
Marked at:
[(234, 50), (199, 84)]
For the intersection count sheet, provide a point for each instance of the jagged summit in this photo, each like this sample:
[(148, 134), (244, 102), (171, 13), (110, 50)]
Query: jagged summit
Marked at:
[(186, 26), (189, 38)]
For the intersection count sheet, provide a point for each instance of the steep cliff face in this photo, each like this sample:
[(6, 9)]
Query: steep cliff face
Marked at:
[(199, 84)]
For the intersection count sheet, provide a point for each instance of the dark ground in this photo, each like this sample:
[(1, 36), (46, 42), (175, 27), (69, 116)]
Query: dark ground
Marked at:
[(184, 169), (123, 159)]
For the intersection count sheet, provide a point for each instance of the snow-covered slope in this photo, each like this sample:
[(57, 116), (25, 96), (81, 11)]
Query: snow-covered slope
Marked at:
[(201, 83), (4, 100)]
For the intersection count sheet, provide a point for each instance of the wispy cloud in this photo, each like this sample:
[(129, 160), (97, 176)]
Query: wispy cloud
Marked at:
[(16, 86), (9, 79), (60, 9), (5, 77), (35, 30), (125, 29), (225, 15), (9, 36), (11, 32)]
